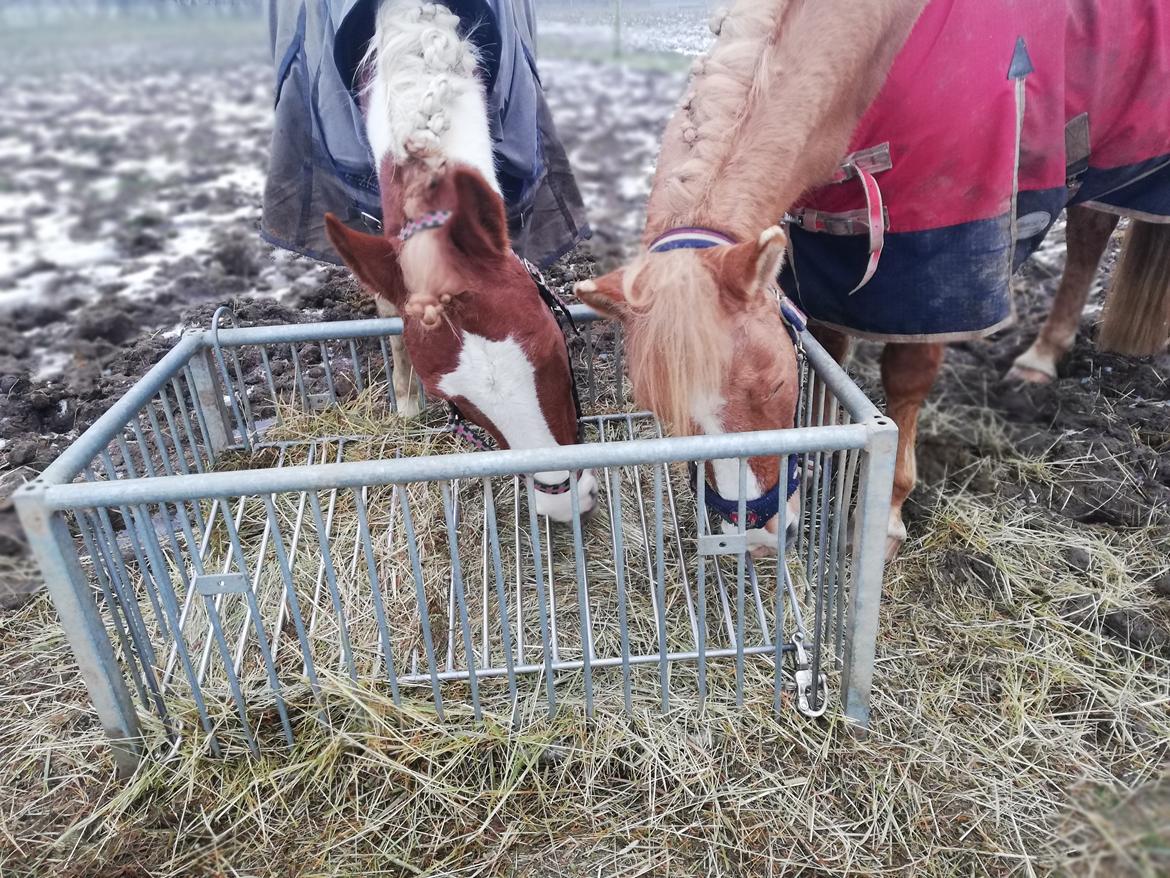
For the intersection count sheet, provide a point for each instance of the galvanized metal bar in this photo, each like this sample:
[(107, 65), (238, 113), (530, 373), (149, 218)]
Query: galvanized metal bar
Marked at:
[(299, 379), (493, 535), (124, 589), (869, 538), (329, 383), (293, 548), (660, 589), (420, 597), (601, 663), (551, 634), (590, 380), (143, 448), (480, 464), (678, 543), (359, 383), (87, 528), (171, 607), (778, 610), (832, 560), (185, 419), (753, 580), (701, 583), (323, 531), (822, 560), (619, 378), (290, 592), (843, 556), (234, 337), (274, 683), (208, 457), (261, 560), (188, 600), (271, 382), (225, 656), (460, 598), (52, 546), (209, 407), (740, 563), (376, 592), (519, 576), (71, 461), (148, 582), (389, 372), (541, 599), (582, 594), (613, 480)]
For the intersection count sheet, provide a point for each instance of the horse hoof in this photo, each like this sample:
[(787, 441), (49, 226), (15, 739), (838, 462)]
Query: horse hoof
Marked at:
[(1026, 375), (408, 407), (893, 547)]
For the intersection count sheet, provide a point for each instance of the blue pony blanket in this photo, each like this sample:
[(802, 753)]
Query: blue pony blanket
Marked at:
[(320, 161)]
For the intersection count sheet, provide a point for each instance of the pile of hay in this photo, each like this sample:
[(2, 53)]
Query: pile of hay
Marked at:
[(1012, 734)]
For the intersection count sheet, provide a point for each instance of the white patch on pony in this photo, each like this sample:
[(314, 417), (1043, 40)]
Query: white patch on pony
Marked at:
[(498, 379), (425, 98), (707, 414)]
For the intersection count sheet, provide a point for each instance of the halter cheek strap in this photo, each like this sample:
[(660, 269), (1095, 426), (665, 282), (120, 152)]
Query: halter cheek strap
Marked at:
[(759, 511)]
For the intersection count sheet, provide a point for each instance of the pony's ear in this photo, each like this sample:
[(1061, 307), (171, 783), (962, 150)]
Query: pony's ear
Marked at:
[(606, 294), (750, 268), (478, 227), (372, 258)]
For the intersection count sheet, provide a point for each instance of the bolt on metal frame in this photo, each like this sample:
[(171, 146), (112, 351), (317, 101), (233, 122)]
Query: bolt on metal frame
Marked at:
[(151, 559)]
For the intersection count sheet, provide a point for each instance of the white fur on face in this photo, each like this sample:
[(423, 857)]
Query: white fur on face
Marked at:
[(498, 379), (425, 96)]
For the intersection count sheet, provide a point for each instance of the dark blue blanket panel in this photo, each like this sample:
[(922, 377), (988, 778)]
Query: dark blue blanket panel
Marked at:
[(935, 282)]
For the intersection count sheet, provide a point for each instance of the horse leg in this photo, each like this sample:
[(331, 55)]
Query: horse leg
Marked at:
[(836, 343), (908, 373), (1087, 232), (405, 384)]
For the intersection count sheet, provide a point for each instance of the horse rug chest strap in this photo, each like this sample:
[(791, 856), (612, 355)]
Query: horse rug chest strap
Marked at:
[(871, 221)]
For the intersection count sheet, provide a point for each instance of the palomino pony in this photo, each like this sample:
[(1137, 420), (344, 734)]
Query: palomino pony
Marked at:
[(978, 120), (476, 331)]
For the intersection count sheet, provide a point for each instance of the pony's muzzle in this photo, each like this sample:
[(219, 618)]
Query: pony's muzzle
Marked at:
[(559, 506)]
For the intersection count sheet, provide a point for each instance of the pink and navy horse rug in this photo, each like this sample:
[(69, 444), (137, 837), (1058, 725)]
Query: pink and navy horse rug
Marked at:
[(996, 114)]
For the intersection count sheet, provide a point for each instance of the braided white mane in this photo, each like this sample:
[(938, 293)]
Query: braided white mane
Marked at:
[(425, 101)]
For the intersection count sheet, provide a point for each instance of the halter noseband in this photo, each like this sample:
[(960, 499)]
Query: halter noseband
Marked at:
[(431, 220), (762, 509)]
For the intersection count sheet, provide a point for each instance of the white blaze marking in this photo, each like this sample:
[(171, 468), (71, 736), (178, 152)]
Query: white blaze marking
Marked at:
[(497, 378)]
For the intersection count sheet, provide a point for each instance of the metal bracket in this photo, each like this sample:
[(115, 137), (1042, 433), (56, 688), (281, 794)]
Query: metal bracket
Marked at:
[(211, 584), (804, 682), (722, 544)]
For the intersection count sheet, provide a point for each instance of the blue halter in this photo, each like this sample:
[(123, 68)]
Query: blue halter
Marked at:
[(764, 508)]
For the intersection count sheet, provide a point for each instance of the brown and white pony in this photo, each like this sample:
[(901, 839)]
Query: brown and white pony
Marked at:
[(475, 329), (767, 117)]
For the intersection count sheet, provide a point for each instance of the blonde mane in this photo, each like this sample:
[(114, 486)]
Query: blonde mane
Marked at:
[(725, 87), (679, 350), (769, 113)]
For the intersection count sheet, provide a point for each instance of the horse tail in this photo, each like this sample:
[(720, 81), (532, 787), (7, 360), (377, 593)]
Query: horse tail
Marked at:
[(1137, 307)]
